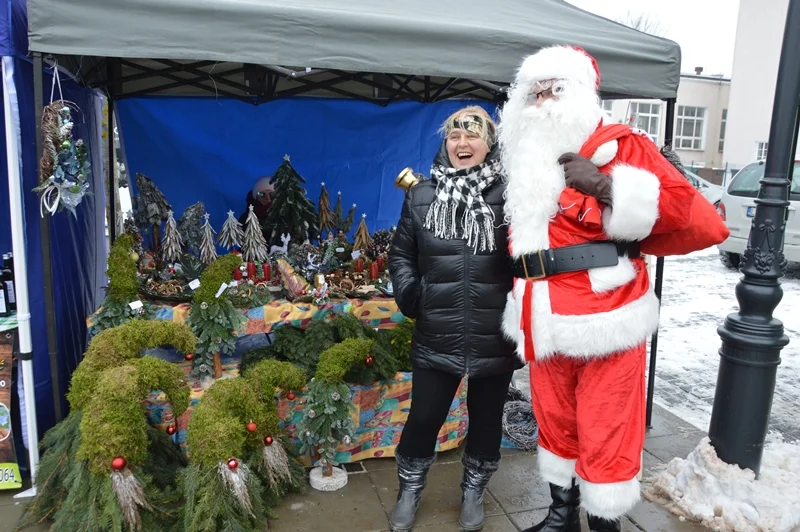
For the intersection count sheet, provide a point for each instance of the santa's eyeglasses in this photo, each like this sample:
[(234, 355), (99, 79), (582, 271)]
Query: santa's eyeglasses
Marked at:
[(547, 88)]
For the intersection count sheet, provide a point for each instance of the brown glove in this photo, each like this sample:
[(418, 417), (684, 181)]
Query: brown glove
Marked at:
[(582, 174)]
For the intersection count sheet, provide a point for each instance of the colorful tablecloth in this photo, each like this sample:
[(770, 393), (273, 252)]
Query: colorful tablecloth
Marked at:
[(380, 413), (377, 312)]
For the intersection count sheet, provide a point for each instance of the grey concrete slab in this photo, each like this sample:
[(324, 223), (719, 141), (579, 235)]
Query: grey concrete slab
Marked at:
[(654, 518), (356, 505), (10, 512), (666, 424), (441, 501), (499, 523), (666, 448), (517, 486)]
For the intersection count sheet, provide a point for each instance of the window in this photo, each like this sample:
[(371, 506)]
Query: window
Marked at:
[(608, 107), (647, 117), (690, 130), (747, 182), (761, 151), (722, 129)]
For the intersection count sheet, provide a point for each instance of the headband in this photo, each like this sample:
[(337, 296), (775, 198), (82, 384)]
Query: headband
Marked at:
[(474, 124)]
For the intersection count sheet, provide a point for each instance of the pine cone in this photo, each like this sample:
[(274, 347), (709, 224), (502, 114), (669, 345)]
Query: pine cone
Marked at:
[(381, 242)]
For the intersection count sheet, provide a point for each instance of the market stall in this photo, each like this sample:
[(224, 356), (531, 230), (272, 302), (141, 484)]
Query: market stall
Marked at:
[(280, 267)]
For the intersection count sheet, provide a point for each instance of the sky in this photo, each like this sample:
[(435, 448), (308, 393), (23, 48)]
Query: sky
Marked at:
[(704, 29)]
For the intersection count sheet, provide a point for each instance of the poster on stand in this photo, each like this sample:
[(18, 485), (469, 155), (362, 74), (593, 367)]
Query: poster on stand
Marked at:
[(9, 469)]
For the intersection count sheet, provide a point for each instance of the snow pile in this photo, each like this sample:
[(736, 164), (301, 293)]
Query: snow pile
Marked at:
[(726, 498)]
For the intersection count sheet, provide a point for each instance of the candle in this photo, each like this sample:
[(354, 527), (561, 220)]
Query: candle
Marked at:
[(359, 265), (267, 271), (237, 274), (373, 271), (251, 270), (381, 264)]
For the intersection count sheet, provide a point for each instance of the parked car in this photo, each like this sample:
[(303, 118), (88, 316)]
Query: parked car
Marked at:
[(737, 207), (712, 192)]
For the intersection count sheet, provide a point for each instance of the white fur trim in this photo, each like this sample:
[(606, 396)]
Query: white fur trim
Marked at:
[(605, 153), (561, 62), (511, 320), (611, 277), (591, 335), (634, 207), (609, 501), (554, 469)]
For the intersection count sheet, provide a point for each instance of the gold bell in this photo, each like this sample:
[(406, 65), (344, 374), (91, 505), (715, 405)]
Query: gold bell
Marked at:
[(406, 179), (319, 280)]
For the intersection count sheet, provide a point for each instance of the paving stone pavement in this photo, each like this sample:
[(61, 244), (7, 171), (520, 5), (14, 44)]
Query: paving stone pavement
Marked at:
[(516, 499)]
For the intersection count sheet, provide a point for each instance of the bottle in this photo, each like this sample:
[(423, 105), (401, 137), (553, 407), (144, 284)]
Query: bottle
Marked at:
[(4, 310), (8, 282)]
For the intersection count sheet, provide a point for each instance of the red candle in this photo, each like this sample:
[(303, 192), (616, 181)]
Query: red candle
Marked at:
[(359, 265), (267, 271), (237, 274), (373, 271), (380, 262), (251, 270)]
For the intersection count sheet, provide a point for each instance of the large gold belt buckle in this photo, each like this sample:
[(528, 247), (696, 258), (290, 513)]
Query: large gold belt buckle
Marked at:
[(541, 264)]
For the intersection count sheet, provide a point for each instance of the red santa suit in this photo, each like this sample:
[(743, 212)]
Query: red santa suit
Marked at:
[(584, 332)]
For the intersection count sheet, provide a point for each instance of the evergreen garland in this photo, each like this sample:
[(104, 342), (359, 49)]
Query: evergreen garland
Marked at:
[(214, 320)]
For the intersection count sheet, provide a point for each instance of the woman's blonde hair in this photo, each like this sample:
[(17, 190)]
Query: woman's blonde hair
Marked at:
[(473, 118)]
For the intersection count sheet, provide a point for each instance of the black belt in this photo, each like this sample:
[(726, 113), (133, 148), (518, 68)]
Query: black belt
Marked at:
[(575, 258)]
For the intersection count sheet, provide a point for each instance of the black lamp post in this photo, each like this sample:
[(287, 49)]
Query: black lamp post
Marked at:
[(752, 339)]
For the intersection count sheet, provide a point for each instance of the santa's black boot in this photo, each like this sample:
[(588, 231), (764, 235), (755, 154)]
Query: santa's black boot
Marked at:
[(563, 515), (412, 474), (597, 524)]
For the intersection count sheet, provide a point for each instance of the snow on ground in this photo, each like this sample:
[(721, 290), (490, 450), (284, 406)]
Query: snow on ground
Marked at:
[(723, 497), (698, 293)]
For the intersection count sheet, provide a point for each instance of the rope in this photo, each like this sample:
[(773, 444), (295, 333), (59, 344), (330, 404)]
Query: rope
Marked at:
[(519, 424)]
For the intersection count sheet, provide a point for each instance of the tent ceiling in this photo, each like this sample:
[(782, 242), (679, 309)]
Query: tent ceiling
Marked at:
[(430, 50)]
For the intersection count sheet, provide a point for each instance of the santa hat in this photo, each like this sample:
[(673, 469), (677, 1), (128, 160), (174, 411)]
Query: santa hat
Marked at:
[(560, 62), (263, 185)]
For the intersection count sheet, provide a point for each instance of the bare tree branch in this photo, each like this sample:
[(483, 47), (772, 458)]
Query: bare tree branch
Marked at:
[(644, 22)]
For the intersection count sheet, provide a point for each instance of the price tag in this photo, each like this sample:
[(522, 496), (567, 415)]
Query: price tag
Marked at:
[(356, 254), (233, 283), (194, 285), (222, 288), (339, 250), (135, 305)]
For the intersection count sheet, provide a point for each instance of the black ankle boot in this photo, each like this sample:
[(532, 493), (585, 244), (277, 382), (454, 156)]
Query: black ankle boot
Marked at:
[(597, 524), (412, 474), (563, 515)]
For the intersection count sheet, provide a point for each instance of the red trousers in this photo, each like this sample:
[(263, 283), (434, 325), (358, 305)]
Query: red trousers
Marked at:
[(591, 416)]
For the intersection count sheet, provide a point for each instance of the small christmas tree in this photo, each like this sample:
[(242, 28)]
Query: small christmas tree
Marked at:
[(171, 247), (254, 247), (362, 238), (348, 222), (190, 226), (338, 212), (326, 216), (291, 212), (208, 252), (231, 234), (150, 208)]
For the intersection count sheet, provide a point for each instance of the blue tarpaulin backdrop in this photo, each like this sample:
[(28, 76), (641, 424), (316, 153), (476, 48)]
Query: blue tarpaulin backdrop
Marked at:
[(213, 150), (77, 244)]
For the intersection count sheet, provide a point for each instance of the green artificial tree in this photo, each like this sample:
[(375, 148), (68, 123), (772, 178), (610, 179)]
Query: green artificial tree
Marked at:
[(292, 212)]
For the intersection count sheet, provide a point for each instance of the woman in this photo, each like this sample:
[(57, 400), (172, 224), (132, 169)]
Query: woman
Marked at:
[(450, 272)]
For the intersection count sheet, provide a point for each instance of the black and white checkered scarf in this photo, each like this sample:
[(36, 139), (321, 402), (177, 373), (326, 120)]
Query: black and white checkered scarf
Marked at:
[(456, 188)]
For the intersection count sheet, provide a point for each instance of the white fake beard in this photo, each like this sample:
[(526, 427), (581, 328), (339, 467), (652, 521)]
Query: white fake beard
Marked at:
[(531, 141)]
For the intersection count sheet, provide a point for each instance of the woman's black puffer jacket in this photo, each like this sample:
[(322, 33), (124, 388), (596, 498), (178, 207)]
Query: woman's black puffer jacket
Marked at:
[(456, 296)]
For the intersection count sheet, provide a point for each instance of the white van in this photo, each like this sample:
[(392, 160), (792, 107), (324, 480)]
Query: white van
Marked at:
[(737, 207)]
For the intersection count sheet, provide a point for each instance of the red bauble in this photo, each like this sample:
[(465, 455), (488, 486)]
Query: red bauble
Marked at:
[(188, 356), (252, 427), (290, 396), (233, 463), (171, 430), (118, 463), (304, 292), (368, 361), (268, 440)]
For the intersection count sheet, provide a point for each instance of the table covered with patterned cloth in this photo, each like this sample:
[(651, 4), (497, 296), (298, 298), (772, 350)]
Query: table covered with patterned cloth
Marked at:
[(380, 413), (379, 312)]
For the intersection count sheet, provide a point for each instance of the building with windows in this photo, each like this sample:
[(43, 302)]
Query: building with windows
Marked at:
[(759, 34), (700, 121)]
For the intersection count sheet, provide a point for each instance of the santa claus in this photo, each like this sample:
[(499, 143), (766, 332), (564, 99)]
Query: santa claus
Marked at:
[(582, 306)]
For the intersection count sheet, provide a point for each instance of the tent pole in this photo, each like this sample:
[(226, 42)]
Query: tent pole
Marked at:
[(44, 228), (651, 376), (113, 74), (21, 276)]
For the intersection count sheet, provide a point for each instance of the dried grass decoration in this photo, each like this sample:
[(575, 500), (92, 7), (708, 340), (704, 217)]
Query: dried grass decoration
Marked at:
[(64, 167)]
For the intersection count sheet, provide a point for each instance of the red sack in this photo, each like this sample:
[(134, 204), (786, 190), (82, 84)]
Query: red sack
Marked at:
[(706, 227)]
